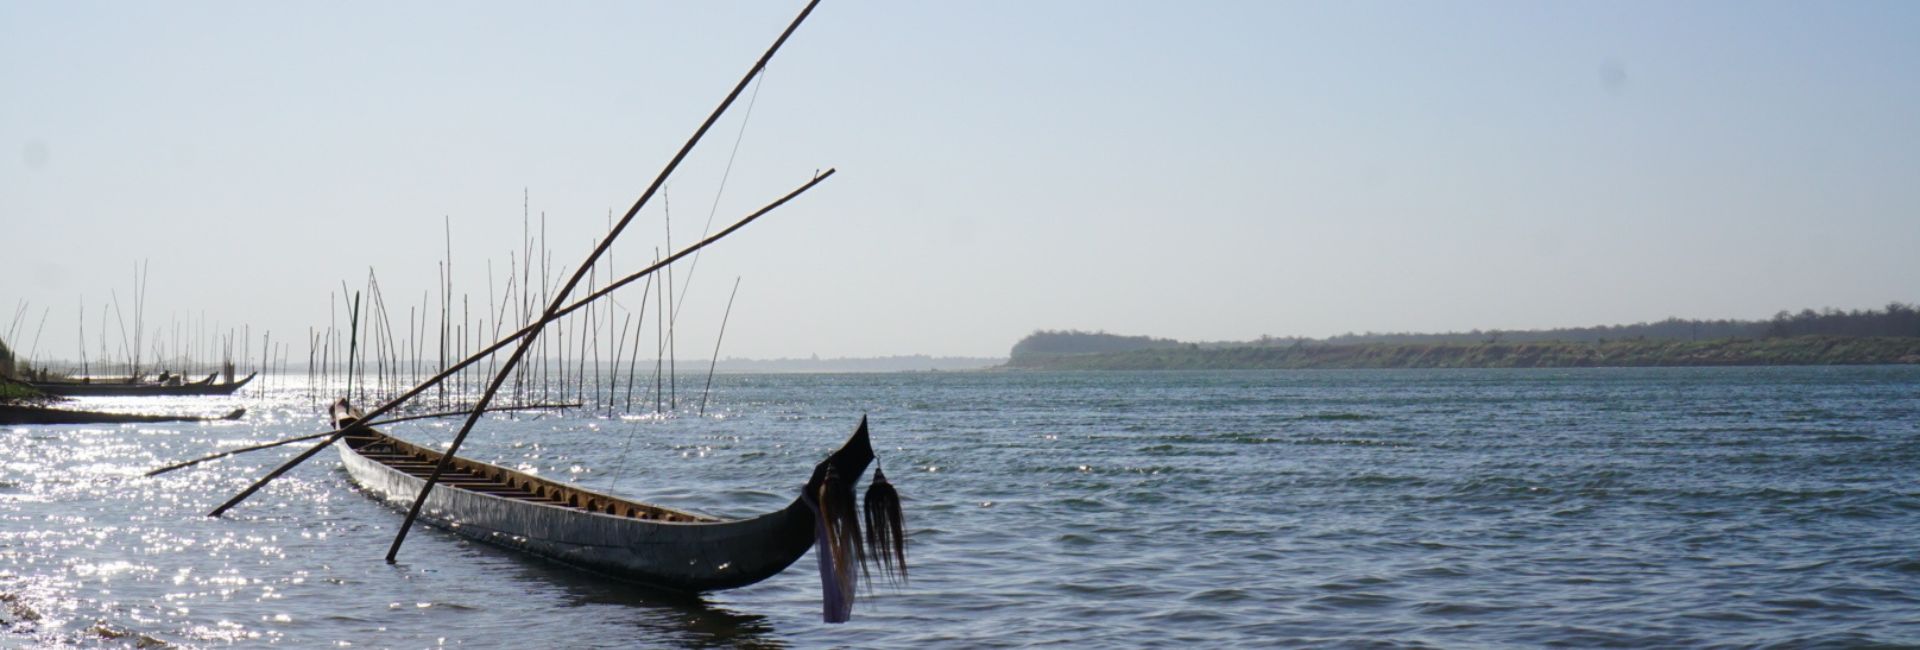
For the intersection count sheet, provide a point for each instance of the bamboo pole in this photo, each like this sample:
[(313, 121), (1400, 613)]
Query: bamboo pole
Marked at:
[(446, 460), (633, 358), (715, 363), (673, 372), (84, 372), (311, 436), (659, 340), (613, 377), (353, 338)]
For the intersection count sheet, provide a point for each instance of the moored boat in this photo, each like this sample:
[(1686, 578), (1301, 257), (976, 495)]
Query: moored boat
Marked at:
[(140, 389), (20, 414), (658, 546)]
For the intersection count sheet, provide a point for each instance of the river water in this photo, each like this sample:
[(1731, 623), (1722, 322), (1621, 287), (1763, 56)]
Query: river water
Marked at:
[(1447, 508)]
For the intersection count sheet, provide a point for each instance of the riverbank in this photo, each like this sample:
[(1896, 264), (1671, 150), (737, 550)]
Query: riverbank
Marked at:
[(1790, 351), (13, 392)]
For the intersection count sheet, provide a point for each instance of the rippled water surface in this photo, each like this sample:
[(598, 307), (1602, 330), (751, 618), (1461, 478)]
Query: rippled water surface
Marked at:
[(1646, 507)]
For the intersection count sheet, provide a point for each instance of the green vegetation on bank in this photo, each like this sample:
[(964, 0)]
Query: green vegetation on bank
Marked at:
[(12, 391), (1799, 350), (1829, 337)]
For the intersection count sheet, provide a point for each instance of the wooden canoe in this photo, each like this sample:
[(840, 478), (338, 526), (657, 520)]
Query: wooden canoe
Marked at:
[(638, 542), (12, 414), (117, 389)]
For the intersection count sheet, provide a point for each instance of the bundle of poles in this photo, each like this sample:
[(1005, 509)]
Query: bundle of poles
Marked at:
[(528, 334)]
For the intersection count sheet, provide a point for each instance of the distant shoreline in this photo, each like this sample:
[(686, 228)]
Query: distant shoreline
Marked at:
[(905, 363), (1792, 351)]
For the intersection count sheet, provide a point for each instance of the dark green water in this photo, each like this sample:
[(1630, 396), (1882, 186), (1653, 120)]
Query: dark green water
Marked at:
[(1459, 508)]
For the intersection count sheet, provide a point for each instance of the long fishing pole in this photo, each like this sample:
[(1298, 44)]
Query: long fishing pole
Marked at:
[(311, 436), (446, 460), (477, 356)]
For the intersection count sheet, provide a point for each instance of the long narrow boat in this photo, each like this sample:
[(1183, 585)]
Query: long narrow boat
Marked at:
[(124, 389), (654, 545), (15, 414)]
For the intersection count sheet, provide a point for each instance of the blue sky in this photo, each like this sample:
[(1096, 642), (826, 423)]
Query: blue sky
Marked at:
[(1199, 171)]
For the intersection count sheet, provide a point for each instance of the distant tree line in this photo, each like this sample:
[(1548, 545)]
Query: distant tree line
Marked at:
[(1672, 329), (1896, 320), (1065, 342), (1771, 351)]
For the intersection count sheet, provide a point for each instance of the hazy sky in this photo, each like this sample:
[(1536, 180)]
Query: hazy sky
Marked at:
[(1202, 171)]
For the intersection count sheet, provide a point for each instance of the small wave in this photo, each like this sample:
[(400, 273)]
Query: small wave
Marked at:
[(1178, 450), (1453, 609), (1337, 417), (1382, 480), (1419, 544), (1349, 442), (1086, 504), (1839, 640), (1220, 596), (1758, 458), (1188, 618), (1113, 590), (1822, 415), (1237, 533), (1900, 565), (1501, 487), (1786, 495), (1793, 606), (1438, 572), (1235, 438), (1725, 616), (1352, 583), (1074, 539), (1356, 600)]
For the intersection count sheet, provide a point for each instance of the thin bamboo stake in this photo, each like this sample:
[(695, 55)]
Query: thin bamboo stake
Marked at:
[(716, 346), (633, 359), (125, 347), (532, 328), (353, 340), (34, 350), (693, 266), (613, 378), (659, 341), (84, 372)]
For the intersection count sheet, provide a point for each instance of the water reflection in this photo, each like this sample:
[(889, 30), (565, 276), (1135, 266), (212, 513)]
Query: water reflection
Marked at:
[(658, 616)]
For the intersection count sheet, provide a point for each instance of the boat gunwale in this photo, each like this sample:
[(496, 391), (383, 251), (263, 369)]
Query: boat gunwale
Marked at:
[(530, 485)]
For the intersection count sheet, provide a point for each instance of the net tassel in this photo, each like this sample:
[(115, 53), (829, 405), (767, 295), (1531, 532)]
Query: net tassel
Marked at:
[(886, 529)]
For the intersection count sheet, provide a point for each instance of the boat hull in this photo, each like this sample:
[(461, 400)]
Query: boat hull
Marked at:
[(16, 415), (68, 389), (693, 555)]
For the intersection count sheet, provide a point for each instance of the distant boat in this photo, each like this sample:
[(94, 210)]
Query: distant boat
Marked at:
[(140, 389), (15, 414), (654, 545)]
